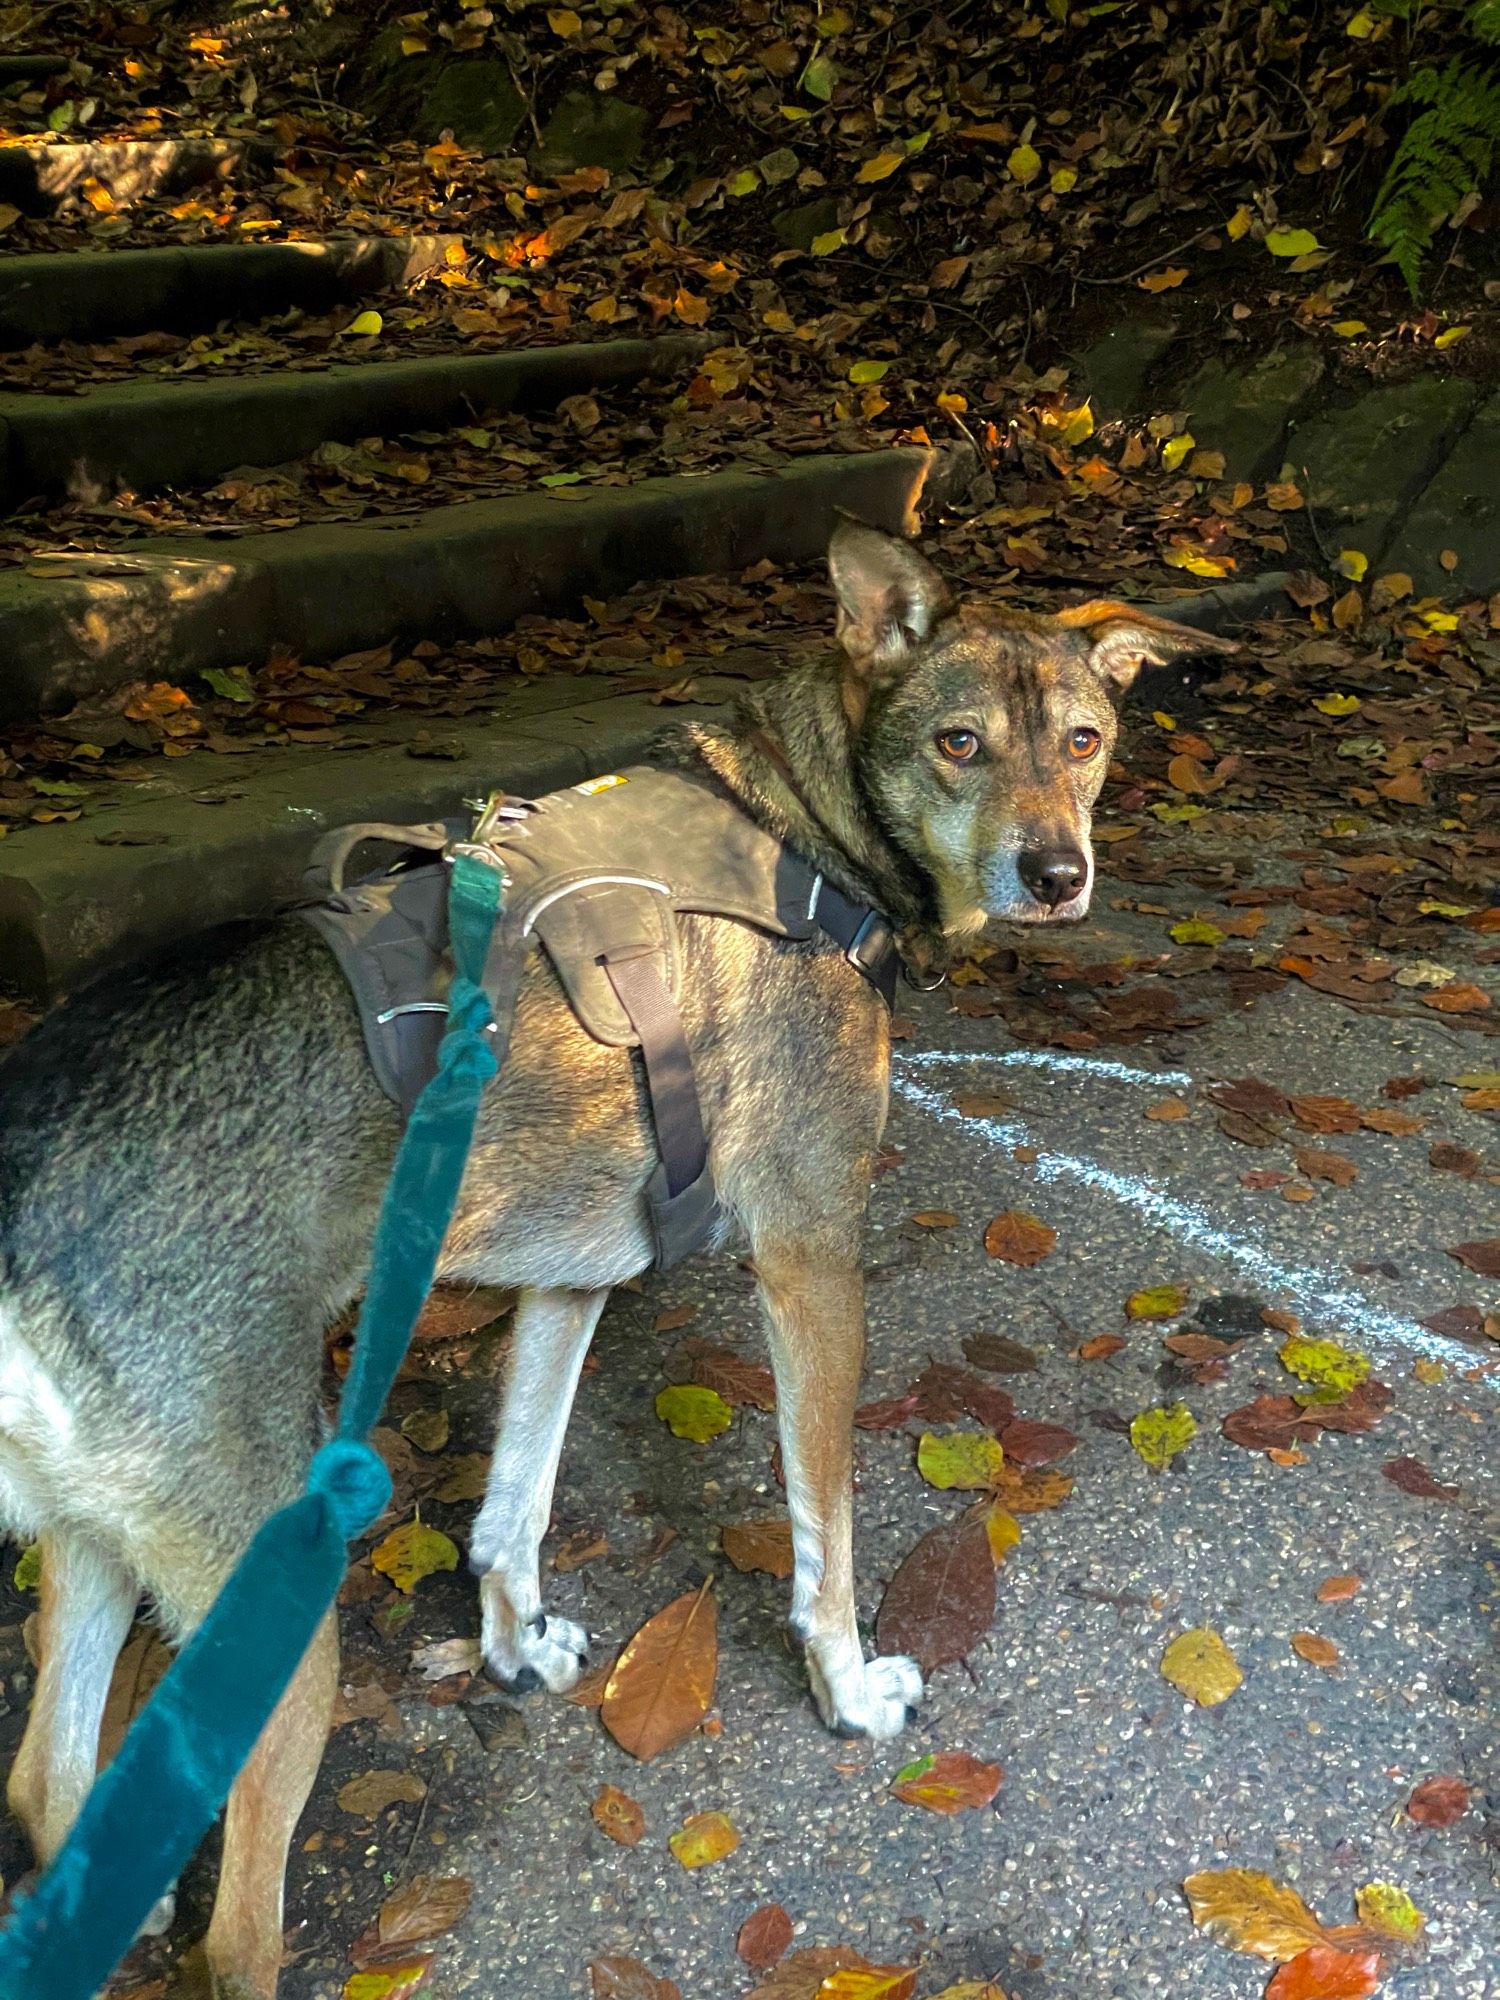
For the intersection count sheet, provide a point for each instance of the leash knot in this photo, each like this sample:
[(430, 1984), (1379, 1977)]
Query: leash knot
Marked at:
[(353, 1480), (465, 1049)]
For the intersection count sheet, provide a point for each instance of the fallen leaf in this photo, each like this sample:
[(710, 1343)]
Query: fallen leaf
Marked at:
[(1158, 1435), (704, 1838), (1018, 1238), (1412, 1476), (941, 1600), (690, 1411), (389, 1982), (1100, 1347), (1438, 1802), (934, 1218), (1331, 1370), (998, 1354), (1002, 1530), (1386, 1908), (1481, 1255), (764, 1937), (800, 1976), (760, 1545), (948, 1782), (1201, 1666), (1323, 1166), (967, 1460), (1165, 280), (662, 1683), (1248, 1912), (1036, 1490), (1027, 1443), (427, 1429), (1462, 997), (411, 1552), (1325, 1114), (422, 1908), (619, 1977), (369, 1794), (614, 1812), (446, 1657), (1291, 242), (365, 324), (1338, 1589), (1317, 1651), (874, 1982), (1321, 1973), (1167, 1110), (1157, 1302)]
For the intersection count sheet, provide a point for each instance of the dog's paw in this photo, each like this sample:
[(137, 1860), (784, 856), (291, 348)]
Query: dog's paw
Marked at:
[(549, 1653), (878, 1698), (161, 1916)]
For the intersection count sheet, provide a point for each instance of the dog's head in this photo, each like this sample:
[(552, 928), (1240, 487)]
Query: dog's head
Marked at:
[(984, 736)]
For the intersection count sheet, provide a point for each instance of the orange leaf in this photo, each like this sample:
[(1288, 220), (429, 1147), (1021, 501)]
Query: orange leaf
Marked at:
[(1459, 998), (948, 1782), (1164, 281), (663, 1681), (873, 1982), (1018, 1238), (764, 1545), (1438, 1802), (1338, 1589), (1324, 1974), (1318, 1652), (617, 1814)]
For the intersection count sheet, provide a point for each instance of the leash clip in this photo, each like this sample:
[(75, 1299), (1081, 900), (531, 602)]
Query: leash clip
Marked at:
[(477, 847)]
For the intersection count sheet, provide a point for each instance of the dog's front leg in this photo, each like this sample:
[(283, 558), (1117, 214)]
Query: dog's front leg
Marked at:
[(815, 1304), (524, 1649)]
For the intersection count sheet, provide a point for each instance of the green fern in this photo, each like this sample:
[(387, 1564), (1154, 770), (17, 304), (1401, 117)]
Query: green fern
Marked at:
[(1445, 154), (1483, 21)]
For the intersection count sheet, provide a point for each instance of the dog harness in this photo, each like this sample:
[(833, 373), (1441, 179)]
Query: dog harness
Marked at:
[(597, 875)]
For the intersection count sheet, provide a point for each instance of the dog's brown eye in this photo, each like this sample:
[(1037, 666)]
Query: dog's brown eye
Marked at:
[(960, 745), (1083, 743)]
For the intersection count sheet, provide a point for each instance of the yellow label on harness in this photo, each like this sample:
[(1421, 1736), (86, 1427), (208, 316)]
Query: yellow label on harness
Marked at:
[(592, 785)]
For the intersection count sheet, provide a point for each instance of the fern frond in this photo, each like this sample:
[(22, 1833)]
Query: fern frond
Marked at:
[(1445, 154), (1483, 21)]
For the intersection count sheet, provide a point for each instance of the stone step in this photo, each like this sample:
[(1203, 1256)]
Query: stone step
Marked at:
[(78, 625), (48, 179), (217, 837), (187, 431), (187, 288), (1459, 512)]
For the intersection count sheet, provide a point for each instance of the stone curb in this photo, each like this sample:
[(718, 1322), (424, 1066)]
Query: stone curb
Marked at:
[(42, 179), (177, 607), (69, 906), (92, 294), (146, 435)]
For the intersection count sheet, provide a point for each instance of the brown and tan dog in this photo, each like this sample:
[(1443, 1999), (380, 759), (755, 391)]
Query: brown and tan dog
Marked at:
[(192, 1154)]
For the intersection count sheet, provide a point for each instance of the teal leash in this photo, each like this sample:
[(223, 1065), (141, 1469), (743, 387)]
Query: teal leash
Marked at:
[(149, 1810)]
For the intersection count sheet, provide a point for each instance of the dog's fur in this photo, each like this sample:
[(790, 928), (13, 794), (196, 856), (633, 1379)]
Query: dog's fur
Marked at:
[(192, 1153)]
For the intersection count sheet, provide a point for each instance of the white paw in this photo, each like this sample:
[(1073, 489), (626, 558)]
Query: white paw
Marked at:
[(875, 1698), (162, 1916), (550, 1653)]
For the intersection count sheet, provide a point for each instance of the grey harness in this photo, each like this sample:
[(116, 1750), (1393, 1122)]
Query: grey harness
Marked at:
[(597, 874)]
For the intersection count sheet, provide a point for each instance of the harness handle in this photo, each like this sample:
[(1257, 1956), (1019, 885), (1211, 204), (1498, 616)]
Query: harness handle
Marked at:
[(324, 874)]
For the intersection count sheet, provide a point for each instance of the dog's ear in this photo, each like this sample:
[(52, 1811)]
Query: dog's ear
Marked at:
[(890, 598), (1122, 639)]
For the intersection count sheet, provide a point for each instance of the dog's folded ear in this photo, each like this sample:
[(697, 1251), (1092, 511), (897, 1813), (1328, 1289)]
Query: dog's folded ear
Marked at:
[(890, 598), (1123, 638)]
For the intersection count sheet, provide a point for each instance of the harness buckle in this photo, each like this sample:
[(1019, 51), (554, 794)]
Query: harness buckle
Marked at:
[(870, 944)]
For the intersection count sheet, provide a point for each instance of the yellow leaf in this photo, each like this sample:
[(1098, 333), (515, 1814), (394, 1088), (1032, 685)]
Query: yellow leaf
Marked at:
[(1199, 564), (881, 167), (389, 1982), (952, 402), (1024, 164), (1063, 180), (969, 1460), (1201, 1666), (702, 1838), (1439, 621), (1162, 720), (1163, 281), (1249, 1912), (1158, 1435), (869, 1982), (868, 371), (1291, 242), (1361, 25), (1003, 1532), (564, 22), (1193, 930), (1451, 336), (28, 1574), (1206, 465), (1349, 328), (1157, 1302), (1176, 449), (1386, 1908), (795, 113), (1353, 564), (411, 1552), (413, 45), (1337, 704), (364, 323), (1330, 1369), (829, 241), (1238, 224), (689, 1411), (746, 181)]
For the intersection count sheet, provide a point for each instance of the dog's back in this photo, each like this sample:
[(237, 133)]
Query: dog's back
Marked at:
[(188, 1171)]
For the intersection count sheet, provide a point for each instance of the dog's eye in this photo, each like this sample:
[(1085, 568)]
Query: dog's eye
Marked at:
[(1084, 743), (960, 746)]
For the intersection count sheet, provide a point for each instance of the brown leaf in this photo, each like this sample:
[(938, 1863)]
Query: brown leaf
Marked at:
[(763, 1545), (369, 1794), (1034, 1491), (1451, 1159), (1317, 1651), (1322, 1166), (616, 1977), (614, 1812), (948, 1782), (1270, 1422), (1326, 1114), (1412, 1476), (1462, 997), (941, 1600), (1338, 1589), (1460, 1322), (663, 1681), (998, 1354), (452, 1310), (801, 1976), (1357, 1412), (1438, 1802), (424, 1907), (1252, 1097), (1248, 1912), (588, 1692), (764, 1937), (1100, 1347), (1168, 1110), (1200, 1347), (935, 1218), (674, 1320), (1482, 1254), (140, 1664), (1025, 1443), (983, 1104), (1018, 1238), (889, 1413), (737, 1380), (1384, 1118)]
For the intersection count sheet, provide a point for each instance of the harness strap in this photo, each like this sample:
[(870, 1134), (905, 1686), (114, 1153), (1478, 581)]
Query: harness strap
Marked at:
[(868, 940)]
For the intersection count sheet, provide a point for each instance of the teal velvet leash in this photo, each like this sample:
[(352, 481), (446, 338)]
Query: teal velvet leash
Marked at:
[(147, 1813)]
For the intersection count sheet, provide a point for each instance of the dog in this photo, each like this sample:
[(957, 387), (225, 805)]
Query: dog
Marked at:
[(193, 1151)]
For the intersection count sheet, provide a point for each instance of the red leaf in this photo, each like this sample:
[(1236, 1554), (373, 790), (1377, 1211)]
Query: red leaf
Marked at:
[(764, 1937), (1324, 1974), (1412, 1476), (948, 1782), (940, 1602), (1026, 1443), (1481, 1255), (1438, 1802)]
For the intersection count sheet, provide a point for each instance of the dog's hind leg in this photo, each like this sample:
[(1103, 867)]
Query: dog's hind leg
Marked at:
[(243, 1945), (524, 1649), (88, 1603), (814, 1301)]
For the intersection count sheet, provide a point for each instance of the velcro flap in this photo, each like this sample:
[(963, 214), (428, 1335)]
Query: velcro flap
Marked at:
[(593, 920)]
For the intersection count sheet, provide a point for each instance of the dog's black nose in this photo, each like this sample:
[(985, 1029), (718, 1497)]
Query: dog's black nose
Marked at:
[(1054, 875)]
